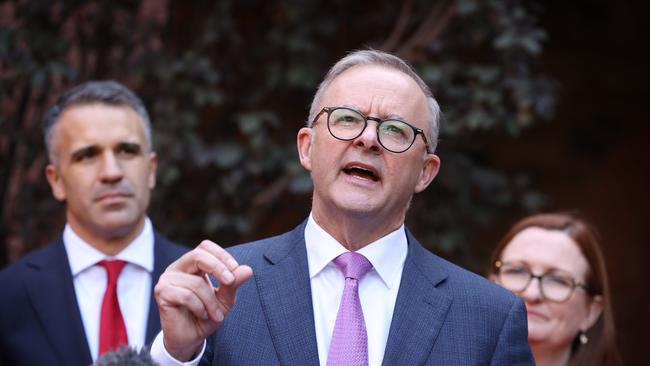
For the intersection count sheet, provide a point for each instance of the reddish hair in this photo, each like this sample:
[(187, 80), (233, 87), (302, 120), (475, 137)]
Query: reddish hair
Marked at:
[(601, 348)]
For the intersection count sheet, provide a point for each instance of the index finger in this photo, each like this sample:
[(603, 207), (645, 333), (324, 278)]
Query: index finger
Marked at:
[(228, 294), (208, 257)]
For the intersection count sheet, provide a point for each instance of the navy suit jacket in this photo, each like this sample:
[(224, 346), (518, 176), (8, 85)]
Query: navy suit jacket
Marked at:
[(40, 322), (444, 315)]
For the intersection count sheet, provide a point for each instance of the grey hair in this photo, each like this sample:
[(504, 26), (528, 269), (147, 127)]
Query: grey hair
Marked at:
[(380, 58), (105, 92)]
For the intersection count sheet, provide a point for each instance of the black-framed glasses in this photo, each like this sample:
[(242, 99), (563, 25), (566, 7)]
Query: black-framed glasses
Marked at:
[(554, 285), (393, 134)]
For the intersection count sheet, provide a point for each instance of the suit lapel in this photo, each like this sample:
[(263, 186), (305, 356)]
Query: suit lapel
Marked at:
[(285, 295), (420, 309), (50, 288), (164, 253), (161, 259)]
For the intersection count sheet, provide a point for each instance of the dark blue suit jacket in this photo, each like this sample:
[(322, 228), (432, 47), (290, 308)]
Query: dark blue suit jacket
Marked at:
[(444, 315), (40, 323)]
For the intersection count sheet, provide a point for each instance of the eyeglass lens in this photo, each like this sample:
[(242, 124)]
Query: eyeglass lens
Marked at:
[(347, 124), (554, 287)]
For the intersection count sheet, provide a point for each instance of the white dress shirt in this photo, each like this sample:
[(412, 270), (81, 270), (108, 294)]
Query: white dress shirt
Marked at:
[(133, 285), (377, 291)]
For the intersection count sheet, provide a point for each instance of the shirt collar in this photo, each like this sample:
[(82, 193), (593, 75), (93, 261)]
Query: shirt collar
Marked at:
[(387, 254), (82, 255)]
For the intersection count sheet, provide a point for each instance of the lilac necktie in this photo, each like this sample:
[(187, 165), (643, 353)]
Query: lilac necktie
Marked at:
[(349, 344)]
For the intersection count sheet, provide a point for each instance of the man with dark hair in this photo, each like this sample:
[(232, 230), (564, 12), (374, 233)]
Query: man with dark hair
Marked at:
[(91, 290), (350, 285)]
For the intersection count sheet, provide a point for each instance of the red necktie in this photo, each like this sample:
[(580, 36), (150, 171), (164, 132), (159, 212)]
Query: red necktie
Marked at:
[(112, 331)]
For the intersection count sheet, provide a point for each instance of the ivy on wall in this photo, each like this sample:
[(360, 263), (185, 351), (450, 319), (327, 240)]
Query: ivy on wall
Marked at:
[(228, 84)]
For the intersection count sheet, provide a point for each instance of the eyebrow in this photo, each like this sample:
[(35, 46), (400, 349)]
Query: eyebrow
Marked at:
[(94, 149), (130, 146), (388, 116), (84, 151), (546, 271)]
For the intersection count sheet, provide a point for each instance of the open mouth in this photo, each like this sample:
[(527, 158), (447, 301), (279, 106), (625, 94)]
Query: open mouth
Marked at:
[(361, 172)]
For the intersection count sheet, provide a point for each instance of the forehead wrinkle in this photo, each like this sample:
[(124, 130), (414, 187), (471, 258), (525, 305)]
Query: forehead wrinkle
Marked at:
[(378, 103), (380, 100), (376, 106), (386, 104)]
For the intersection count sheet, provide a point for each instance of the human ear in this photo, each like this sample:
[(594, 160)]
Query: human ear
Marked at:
[(55, 181), (153, 167), (594, 310), (304, 142), (429, 171)]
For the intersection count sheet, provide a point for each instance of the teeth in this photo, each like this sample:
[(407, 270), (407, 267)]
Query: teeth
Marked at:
[(360, 171)]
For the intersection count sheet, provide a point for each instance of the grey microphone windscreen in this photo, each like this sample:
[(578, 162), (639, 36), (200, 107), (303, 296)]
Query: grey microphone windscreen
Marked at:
[(126, 356)]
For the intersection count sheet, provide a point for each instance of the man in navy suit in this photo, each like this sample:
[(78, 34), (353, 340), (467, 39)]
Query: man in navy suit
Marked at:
[(369, 146), (102, 167)]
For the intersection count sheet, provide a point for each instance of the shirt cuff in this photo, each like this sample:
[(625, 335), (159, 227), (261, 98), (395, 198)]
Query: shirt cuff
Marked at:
[(163, 358)]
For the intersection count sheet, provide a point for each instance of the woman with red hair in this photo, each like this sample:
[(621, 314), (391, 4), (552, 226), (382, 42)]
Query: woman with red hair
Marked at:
[(554, 263)]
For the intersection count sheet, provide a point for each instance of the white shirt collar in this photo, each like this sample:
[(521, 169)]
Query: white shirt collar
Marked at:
[(82, 255), (387, 254)]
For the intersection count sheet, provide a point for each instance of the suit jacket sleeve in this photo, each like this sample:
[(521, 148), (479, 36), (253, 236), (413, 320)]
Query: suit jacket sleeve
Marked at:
[(512, 347)]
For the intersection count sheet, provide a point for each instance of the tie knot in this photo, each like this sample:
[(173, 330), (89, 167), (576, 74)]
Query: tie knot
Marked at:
[(113, 268), (353, 265)]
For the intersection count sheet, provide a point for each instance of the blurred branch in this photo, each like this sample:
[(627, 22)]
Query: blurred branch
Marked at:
[(10, 159), (271, 194), (8, 167), (433, 26), (400, 26), (263, 202)]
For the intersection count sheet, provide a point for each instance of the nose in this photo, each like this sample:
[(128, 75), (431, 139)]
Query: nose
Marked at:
[(111, 169), (368, 138), (532, 293)]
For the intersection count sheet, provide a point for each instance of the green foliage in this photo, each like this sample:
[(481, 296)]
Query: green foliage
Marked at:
[(229, 83)]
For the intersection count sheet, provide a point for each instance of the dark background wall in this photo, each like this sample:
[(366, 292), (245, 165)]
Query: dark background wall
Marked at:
[(203, 65), (592, 156)]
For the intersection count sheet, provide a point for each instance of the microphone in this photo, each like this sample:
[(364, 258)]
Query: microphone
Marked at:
[(126, 356)]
